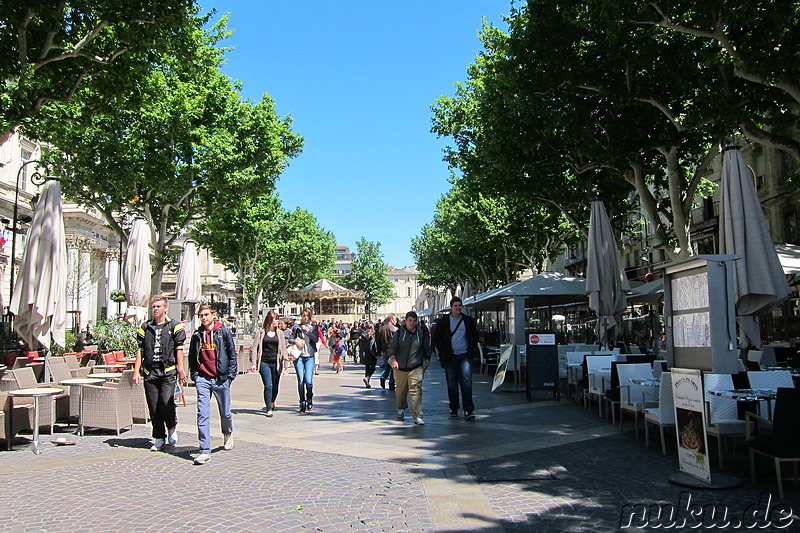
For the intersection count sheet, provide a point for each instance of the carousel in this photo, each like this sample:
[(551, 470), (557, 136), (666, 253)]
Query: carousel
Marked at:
[(330, 301)]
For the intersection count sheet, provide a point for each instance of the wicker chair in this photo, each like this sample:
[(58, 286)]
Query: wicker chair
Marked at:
[(109, 406), (57, 408), (75, 367), (15, 416), (139, 408)]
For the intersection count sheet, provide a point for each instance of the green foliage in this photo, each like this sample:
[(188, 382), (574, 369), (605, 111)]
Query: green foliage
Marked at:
[(270, 250), (113, 335), (69, 344), (50, 49), (190, 145), (369, 272)]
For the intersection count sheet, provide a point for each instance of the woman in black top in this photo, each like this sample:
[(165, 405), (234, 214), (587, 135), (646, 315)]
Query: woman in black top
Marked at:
[(268, 354)]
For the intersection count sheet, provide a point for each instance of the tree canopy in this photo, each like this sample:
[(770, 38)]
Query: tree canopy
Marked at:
[(49, 50), (629, 102), (368, 274), (270, 250), (192, 147)]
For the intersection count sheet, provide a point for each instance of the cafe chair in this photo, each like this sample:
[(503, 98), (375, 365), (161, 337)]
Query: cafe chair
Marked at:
[(139, 409), (51, 409), (662, 416), (783, 445), (722, 414), (769, 380), (109, 406), (74, 366), (597, 368), (16, 415), (487, 360), (632, 396)]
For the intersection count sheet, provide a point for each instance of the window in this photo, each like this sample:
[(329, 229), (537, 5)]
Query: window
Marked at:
[(24, 156), (790, 225), (408, 289)]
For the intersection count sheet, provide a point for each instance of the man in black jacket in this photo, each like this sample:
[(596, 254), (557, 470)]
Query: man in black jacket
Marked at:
[(160, 359), (456, 339)]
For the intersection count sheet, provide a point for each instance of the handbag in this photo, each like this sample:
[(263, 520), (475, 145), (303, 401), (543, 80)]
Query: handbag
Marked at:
[(381, 361)]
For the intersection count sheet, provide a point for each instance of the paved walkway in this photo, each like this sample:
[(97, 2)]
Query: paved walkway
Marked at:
[(350, 466)]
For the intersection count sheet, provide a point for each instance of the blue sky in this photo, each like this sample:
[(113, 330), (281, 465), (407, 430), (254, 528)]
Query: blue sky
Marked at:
[(358, 78)]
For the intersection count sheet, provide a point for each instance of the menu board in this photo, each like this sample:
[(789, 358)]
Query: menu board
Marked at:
[(690, 423), (690, 292)]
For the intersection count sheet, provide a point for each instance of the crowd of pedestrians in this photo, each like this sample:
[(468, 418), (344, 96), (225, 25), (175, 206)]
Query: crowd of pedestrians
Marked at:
[(400, 350)]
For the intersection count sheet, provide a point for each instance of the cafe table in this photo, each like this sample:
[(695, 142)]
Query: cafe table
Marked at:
[(36, 393), (105, 375), (80, 383), (749, 395), (115, 366)]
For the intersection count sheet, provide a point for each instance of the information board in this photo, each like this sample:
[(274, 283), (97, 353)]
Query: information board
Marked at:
[(542, 363)]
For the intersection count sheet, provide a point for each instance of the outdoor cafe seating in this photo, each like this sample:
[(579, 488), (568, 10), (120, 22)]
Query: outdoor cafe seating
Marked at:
[(51, 409), (109, 406), (662, 414), (16, 416), (780, 440)]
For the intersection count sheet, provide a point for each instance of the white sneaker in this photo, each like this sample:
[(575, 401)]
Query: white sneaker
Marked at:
[(202, 458), (401, 414), (172, 437), (419, 421), (157, 445), (228, 445)]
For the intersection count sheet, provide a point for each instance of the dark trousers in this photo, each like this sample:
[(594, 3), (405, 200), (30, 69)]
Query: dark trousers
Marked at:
[(369, 368), (160, 394)]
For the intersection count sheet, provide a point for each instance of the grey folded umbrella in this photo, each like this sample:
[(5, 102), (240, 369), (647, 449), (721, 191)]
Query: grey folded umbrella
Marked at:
[(760, 283)]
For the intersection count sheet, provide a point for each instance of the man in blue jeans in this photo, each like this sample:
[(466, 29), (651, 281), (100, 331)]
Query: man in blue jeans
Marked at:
[(213, 366), (456, 339)]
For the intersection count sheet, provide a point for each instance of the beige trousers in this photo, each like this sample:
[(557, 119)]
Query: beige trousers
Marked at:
[(409, 383)]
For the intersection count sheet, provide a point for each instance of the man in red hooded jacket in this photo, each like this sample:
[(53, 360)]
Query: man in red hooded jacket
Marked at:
[(213, 366)]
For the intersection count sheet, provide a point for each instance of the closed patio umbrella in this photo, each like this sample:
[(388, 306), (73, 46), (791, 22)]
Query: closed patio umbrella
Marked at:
[(187, 288), (760, 283), (138, 272), (606, 283), (39, 298)]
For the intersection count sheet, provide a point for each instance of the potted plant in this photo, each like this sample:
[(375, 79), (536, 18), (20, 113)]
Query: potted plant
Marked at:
[(117, 296)]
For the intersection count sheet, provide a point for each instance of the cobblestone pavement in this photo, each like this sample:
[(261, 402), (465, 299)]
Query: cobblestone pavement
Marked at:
[(349, 465)]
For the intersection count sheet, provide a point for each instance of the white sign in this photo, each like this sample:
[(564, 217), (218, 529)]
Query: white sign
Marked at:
[(502, 366), (542, 339), (690, 423)]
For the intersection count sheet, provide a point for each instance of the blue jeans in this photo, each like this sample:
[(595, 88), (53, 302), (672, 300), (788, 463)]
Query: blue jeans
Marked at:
[(459, 374), (221, 389), (388, 371), (304, 367), (270, 377)]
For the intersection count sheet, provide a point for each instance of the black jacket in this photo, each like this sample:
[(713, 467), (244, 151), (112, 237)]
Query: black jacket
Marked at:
[(441, 337), (173, 335)]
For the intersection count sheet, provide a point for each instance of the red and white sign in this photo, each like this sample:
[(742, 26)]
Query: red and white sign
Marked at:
[(542, 339)]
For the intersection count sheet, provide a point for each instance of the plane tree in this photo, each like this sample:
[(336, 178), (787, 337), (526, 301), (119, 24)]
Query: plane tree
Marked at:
[(50, 49), (191, 146)]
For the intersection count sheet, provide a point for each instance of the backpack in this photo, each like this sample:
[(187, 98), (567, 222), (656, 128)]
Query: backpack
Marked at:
[(340, 349)]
